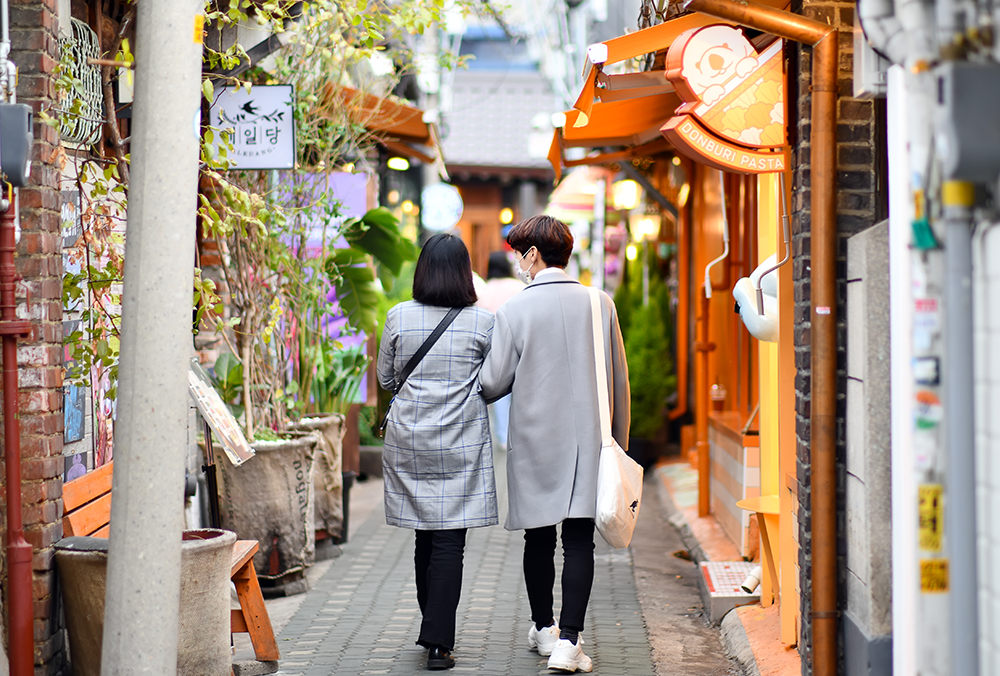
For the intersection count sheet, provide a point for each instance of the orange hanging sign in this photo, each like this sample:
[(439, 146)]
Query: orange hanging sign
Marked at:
[(733, 115)]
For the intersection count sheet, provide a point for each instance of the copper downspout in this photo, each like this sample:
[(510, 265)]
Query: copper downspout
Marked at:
[(20, 607), (702, 347), (823, 317), (683, 308)]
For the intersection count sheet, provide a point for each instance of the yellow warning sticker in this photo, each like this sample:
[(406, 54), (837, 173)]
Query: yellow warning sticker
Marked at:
[(933, 576), (199, 28), (931, 510)]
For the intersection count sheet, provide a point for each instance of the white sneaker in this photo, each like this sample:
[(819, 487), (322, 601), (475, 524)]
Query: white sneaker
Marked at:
[(543, 640), (568, 657)]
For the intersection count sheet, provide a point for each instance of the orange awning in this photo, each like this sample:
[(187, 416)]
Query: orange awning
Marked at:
[(646, 41), (397, 126), (631, 124)]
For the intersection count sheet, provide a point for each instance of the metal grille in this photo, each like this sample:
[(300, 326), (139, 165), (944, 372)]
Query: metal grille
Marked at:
[(84, 128)]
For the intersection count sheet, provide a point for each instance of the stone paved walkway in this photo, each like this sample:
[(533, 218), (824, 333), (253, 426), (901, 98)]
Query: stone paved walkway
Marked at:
[(362, 617)]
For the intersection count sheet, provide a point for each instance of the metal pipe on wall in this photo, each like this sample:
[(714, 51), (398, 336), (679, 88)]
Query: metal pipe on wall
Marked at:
[(20, 606), (958, 198), (823, 252)]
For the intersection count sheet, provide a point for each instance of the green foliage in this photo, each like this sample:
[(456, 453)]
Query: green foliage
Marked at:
[(650, 370), (368, 422), (228, 382), (647, 330), (338, 377)]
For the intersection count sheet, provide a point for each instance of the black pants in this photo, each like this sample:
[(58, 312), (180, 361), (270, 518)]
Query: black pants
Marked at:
[(577, 573), (438, 561)]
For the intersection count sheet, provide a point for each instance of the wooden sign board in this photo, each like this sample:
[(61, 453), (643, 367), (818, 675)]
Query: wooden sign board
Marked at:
[(733, 115), (217, 415)]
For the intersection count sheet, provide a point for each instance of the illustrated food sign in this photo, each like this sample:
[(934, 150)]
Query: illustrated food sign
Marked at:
[(262, 124), (733, 115)]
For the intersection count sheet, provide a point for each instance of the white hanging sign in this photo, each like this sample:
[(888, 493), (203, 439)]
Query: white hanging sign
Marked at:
[(262, 123)]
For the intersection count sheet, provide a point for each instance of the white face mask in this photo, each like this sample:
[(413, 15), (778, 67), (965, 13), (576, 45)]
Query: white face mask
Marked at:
[(522, 274)]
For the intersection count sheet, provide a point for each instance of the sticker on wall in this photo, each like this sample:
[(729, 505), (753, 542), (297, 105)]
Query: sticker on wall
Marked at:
[(928, 411), (934, 576), (924, 448), (930, 498)]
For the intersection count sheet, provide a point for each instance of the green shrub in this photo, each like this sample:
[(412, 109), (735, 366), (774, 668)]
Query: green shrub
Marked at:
[(648, 334), (650, 371)]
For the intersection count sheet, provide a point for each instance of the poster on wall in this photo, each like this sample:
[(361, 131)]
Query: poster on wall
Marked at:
[(261, 122)]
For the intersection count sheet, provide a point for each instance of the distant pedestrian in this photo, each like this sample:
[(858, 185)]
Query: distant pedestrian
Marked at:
[(438, 460), (543, 353), (500, 287)]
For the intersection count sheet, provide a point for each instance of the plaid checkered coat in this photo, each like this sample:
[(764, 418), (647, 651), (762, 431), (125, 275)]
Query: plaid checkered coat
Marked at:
[(438, 455)]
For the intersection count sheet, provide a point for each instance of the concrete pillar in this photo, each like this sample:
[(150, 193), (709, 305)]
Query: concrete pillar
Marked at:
[(144, 562)]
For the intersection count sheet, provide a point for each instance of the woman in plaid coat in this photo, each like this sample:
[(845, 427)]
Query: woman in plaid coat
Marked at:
[(438, 455)]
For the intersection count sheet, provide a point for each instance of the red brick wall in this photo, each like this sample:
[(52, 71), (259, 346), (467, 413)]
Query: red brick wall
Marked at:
[(34, 33)]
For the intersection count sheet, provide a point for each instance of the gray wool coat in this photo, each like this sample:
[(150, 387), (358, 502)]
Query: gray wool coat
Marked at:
[(543, 352), (438, 456)]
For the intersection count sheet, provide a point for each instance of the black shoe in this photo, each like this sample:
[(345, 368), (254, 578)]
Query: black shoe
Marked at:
[(439, 658)]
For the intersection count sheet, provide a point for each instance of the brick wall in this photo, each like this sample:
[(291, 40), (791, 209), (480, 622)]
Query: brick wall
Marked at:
[(34, 30), (858, 207)]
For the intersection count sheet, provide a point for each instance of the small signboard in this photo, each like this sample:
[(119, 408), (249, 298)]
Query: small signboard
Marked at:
[(217, 415), (262, 124), (441, 207)]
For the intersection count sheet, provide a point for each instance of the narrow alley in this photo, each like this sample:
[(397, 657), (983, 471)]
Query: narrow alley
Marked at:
[(361, 616)]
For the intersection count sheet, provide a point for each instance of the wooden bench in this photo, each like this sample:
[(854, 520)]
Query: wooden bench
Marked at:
[(87, 511)]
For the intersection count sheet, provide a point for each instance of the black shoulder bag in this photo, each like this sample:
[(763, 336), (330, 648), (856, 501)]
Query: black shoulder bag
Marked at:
[(415, 359)]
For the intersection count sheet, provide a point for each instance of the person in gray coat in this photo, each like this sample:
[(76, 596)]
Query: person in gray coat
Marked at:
[(438, 457), (543, 353)]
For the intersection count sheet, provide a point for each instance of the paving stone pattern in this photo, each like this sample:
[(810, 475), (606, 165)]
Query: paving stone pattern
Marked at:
[(362, 617)]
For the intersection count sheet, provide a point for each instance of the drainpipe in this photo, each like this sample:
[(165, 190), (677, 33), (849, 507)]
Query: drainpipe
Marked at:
[(703, 347), (20, 607), (147, 512), (958, 198), (20, 604), (823, 259)]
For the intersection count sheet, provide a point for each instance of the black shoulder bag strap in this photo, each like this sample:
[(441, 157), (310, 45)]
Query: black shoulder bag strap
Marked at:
[(417, 356)]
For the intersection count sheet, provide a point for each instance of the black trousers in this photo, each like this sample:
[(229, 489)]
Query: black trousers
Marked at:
[(438, 561), (577, 573)]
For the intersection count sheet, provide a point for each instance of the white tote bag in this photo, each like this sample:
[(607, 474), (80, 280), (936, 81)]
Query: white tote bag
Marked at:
[(619, 477)]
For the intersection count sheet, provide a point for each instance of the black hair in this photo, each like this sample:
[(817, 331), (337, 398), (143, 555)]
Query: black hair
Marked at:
[(499, 266), (444, 273), (550, 236)]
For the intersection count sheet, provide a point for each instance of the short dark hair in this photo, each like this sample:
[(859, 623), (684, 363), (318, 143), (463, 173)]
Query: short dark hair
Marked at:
[(499, 266), (550, 236), (444, 273)]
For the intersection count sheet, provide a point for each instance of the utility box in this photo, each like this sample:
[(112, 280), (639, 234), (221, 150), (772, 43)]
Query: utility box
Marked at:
[(870, 67), (16, 137), (967, 127)]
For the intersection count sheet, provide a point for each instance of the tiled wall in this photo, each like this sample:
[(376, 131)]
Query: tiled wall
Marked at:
[(735, 476)]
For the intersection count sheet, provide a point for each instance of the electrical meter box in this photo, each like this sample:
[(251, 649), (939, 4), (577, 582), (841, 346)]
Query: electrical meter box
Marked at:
[(966, 123), (870, 68), (16, 137)]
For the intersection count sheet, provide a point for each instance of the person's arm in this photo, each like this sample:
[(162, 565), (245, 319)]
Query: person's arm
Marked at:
[(497, 375), (385, 366), (622, 401)]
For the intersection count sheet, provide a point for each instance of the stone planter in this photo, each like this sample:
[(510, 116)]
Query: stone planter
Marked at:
[(328, 482), (203, 622), (269, 498)]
